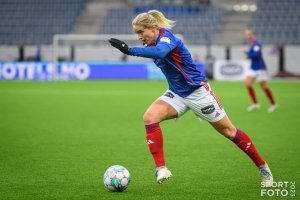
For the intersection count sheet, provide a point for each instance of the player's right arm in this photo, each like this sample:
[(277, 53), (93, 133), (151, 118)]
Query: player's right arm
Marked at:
[(161, 50)]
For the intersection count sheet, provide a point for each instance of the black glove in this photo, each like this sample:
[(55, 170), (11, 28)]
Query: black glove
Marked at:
[(122, 46)]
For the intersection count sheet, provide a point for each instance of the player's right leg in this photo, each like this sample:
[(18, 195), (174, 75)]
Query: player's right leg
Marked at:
[(159, 110), (243, 141), (248, 84), (211, 109), (266, 174)]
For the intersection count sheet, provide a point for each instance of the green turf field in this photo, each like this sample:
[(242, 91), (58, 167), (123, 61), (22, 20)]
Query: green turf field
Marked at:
[(58, 138)]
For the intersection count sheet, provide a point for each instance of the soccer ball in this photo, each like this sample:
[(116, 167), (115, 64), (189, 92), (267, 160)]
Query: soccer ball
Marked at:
[(116, 178)]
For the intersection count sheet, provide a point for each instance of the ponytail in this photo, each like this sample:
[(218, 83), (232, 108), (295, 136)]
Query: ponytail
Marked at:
[(162, 21), (153, 18)]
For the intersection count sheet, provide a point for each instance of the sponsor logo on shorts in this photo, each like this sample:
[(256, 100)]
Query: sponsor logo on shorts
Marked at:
[(208, 109), (169, 94)]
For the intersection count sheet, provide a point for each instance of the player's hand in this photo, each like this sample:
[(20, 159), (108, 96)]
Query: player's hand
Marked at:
[(243, 50), (121, 45)]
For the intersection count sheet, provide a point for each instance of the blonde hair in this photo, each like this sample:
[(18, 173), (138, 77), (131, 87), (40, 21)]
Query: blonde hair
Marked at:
[(153, 18)]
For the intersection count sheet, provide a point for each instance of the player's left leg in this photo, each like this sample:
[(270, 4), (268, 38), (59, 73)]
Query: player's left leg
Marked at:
[(168, 106), (267, 90), (157, 112), (242, 140), (249, 85)]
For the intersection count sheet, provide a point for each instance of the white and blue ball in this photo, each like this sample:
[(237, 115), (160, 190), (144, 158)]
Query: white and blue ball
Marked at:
[(116, 178)]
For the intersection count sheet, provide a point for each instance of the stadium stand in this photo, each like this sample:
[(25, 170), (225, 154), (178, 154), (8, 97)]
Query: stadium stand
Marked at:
[(277, 22), (197, 25), (34, 22)]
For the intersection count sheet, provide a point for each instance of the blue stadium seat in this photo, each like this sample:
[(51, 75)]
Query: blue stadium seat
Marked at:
[(276, 21), (194, 23), (34, 22)]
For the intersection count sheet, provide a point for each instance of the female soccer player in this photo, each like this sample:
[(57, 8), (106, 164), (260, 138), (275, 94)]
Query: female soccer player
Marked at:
[(188, 90), (258, 71)]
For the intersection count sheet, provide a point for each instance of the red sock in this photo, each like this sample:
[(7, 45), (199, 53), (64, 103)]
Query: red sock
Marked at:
[(252, 94), (269, 95), (155, 143), (242, 140)]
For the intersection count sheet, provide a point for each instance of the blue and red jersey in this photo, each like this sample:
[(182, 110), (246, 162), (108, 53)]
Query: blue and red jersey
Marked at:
[(255, 54), (175, 61)]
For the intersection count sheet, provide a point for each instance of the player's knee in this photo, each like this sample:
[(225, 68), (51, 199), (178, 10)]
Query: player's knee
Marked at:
[(150, 118), (264, 87), (247, 84), (229, 132)]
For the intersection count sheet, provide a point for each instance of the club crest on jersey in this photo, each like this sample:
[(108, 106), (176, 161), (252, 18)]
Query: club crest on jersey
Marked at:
[(165, 39), (169, 94), (256, 48), (208, 109)]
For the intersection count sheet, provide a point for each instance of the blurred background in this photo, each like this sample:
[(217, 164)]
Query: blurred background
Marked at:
[(53, 31)]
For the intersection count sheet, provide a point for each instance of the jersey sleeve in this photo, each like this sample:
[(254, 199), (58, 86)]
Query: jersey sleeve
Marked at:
[(254, 51), (163, 47)]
